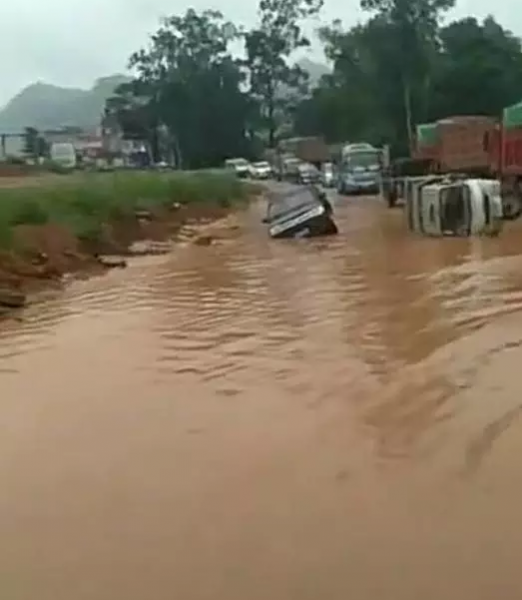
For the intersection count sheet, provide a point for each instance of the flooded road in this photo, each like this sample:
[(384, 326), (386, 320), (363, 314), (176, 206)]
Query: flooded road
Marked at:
[(311, 420)]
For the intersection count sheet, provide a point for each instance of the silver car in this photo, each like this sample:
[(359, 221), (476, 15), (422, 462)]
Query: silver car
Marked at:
[(260, 170), (239, 166), (307, 173)]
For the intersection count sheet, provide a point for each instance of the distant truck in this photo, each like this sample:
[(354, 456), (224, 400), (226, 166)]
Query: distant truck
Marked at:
[(313, 150), (64, 155), (360, 170), (478, 145)]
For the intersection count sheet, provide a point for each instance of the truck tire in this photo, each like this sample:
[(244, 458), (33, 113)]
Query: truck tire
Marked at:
[(391, 198)]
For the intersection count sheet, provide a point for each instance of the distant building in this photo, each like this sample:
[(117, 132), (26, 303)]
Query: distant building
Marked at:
[(11, 145)]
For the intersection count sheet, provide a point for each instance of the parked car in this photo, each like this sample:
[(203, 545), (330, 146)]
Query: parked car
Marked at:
[(300, 213), (260, 170), (290, 169), (328, 175), (239, 166)]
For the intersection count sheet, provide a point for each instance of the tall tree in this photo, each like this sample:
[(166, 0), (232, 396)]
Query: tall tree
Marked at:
[(35, 144), (361, 100), (268, 49), (415, 26), (479, 70), (189, 85), (31, 142)]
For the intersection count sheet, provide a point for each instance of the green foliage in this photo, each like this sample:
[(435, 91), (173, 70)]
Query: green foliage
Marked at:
[(186, 99), (268, 48), (85, 202), (35, 145), (196, 104), (479, 69), (30, 141), (402, 67), (191, 100)]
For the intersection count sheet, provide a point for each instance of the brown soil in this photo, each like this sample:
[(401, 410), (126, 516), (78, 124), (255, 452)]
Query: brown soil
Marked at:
[(8, 171), (45, 253)]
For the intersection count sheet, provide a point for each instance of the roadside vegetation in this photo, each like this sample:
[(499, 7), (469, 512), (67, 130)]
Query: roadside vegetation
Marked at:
[(84, 203)]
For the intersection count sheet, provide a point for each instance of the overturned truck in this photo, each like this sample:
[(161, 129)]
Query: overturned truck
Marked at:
[(443, 206)]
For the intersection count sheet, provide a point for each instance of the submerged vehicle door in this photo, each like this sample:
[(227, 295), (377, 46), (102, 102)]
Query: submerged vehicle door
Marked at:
[(458, 208), (429, 206), (412, 203), (487, 206), (413, 199), (446, 209), (472, 207)]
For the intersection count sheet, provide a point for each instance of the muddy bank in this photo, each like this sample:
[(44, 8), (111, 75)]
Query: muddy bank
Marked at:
[(46, 255)]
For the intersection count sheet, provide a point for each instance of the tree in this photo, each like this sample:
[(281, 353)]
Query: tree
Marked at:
[(466, 67), (31, 141), (273, 81), (188, 84), (35, 145), (414, 27), (130, 112), (479, 69), (362, 98)]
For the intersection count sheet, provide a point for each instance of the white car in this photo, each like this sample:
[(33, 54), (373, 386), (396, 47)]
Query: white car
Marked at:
[(260, 170), (239, 166)]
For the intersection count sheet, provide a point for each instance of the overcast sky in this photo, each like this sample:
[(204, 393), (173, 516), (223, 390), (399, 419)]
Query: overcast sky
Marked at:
[(72, 42)]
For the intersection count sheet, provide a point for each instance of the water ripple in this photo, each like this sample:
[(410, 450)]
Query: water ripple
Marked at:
[(252, 407)]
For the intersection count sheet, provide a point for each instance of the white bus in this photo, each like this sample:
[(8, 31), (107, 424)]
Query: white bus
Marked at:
[(64, 154)]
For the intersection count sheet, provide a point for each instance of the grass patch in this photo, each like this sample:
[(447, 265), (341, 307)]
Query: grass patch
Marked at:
[(84, 202)]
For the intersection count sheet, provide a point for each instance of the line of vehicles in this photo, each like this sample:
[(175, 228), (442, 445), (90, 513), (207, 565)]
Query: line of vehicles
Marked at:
[(354, 169), (435, 206), (464, 176)]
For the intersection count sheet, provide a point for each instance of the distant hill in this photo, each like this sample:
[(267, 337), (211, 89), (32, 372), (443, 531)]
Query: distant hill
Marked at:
[(46, 106)]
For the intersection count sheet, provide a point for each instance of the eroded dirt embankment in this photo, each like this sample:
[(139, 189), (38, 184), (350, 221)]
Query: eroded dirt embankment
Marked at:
[(43, 254)]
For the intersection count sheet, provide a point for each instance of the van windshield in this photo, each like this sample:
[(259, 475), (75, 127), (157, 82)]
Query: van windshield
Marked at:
[(366, 160), (64, 150), (290, 202)]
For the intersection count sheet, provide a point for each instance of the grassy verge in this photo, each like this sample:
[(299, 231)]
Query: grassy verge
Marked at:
[(85, 202)]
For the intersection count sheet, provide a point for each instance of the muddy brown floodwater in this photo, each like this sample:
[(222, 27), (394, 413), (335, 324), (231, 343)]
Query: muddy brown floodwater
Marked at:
[(333, 419)]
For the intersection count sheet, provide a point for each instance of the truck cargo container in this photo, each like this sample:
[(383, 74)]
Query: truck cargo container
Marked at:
[(478, 145), (426, 141), (511, 141), (462, 147), (456, 144), (312, 150)]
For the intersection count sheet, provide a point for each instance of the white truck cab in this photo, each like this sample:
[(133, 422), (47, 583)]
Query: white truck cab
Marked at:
[(64, 154), (437, 206)]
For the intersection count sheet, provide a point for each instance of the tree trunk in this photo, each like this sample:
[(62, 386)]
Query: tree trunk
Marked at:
[(271, 121), (408, 115)]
